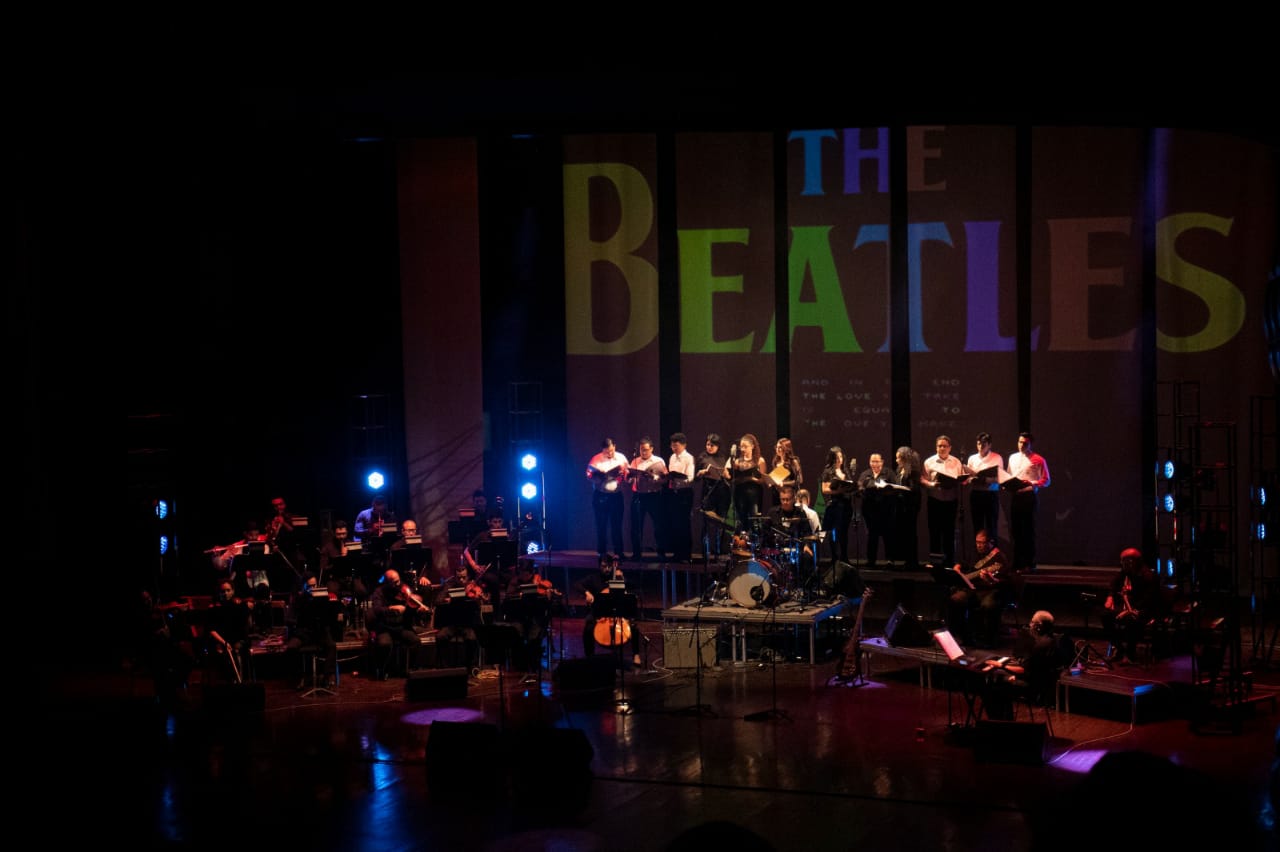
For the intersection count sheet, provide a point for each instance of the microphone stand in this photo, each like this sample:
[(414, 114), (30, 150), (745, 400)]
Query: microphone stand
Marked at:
[(698, 709), (773, 714)]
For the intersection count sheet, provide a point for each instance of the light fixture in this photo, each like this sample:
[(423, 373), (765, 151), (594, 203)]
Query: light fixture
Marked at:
[(376, 480)]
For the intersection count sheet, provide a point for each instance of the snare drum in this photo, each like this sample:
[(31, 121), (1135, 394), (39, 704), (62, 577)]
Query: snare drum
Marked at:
[(755, 583)]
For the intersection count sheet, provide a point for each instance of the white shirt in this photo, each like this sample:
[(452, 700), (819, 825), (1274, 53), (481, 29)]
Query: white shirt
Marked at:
[(1030, 468), (651, 466), (951, 467), (815, 525), (682, 464), (599, 462), (977, 463)]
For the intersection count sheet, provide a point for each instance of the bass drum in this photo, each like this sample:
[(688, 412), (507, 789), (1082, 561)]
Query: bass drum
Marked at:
[(755, 583)]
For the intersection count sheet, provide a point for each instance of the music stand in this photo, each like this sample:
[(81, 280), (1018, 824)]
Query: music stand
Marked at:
[(530, 607), (410, 561), (617, 607), (500, 639), (499, 554), (459, 613)]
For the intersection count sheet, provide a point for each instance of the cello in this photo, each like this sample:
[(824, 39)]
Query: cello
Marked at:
[(615, 630)]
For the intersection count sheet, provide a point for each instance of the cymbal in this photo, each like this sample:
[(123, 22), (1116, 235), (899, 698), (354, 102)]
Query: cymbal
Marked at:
[(710, 515), (815, 537)]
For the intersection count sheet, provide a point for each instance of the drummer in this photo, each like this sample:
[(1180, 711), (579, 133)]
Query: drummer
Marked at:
[(790, 522)]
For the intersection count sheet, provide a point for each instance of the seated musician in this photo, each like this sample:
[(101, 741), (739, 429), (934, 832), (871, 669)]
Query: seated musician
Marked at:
[(333, 545), (973, 614), (227, 630), (526, 604), (1038, 658), (496, 531), (593, 587), (1130, 606), (392, 625), (788, 521), (456, 619), (317, 622)]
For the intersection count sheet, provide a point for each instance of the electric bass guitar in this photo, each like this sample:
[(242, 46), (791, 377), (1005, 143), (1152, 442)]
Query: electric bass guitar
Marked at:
[(850, 658)]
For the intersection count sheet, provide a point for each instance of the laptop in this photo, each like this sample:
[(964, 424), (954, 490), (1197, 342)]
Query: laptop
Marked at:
[(958, 656)]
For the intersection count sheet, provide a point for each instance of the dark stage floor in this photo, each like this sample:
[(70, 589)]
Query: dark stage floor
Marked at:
[(537, 766)]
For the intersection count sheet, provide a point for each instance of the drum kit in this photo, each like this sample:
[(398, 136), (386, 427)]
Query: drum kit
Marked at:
[(764, 569)]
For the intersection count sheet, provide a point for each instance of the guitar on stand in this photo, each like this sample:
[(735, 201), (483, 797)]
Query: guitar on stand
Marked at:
[(850, 671)]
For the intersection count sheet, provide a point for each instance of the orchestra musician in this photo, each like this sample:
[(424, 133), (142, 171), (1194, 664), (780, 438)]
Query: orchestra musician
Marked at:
[(973, 611), (715, 492), (408, 530), (944, 498), (877, 507), (531, 616), (372, 522), (606, 469), (227, 629), (392, 625), (333, 545), (594, 586), (679, 498), (317, 622), (648, 476), (496, 531), (746, 471), (837, 481), (1130, 605)]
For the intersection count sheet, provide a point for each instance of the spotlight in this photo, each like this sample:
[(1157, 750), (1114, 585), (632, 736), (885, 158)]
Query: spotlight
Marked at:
[(1167, 469), (1261, 532), (376, 480), (528, 461), (528, 491), (164, 544), (162, 509), (1166, 503), (1260, 495), (533, 547)]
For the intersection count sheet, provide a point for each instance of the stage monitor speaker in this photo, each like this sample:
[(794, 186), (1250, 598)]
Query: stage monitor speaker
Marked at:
[(843, 579), (906, 630), (681, 649), (432, 684), (596, 672), (234, 698), (460, 754), (1011, 742)]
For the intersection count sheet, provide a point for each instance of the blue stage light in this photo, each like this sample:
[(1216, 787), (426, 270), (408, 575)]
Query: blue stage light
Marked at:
[(1167, 503), (528, 491), (1168, 469), (528, 461), (164, 544), (376, 480), (533, 547), (162, 509), (1262, 532)]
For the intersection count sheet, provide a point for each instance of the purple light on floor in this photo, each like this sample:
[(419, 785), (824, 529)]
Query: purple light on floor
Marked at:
[(442, 714), (1080, 761)]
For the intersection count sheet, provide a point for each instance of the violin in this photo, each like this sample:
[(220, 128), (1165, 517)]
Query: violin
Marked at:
[(544, 587), (412, 600), (476, 591)]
